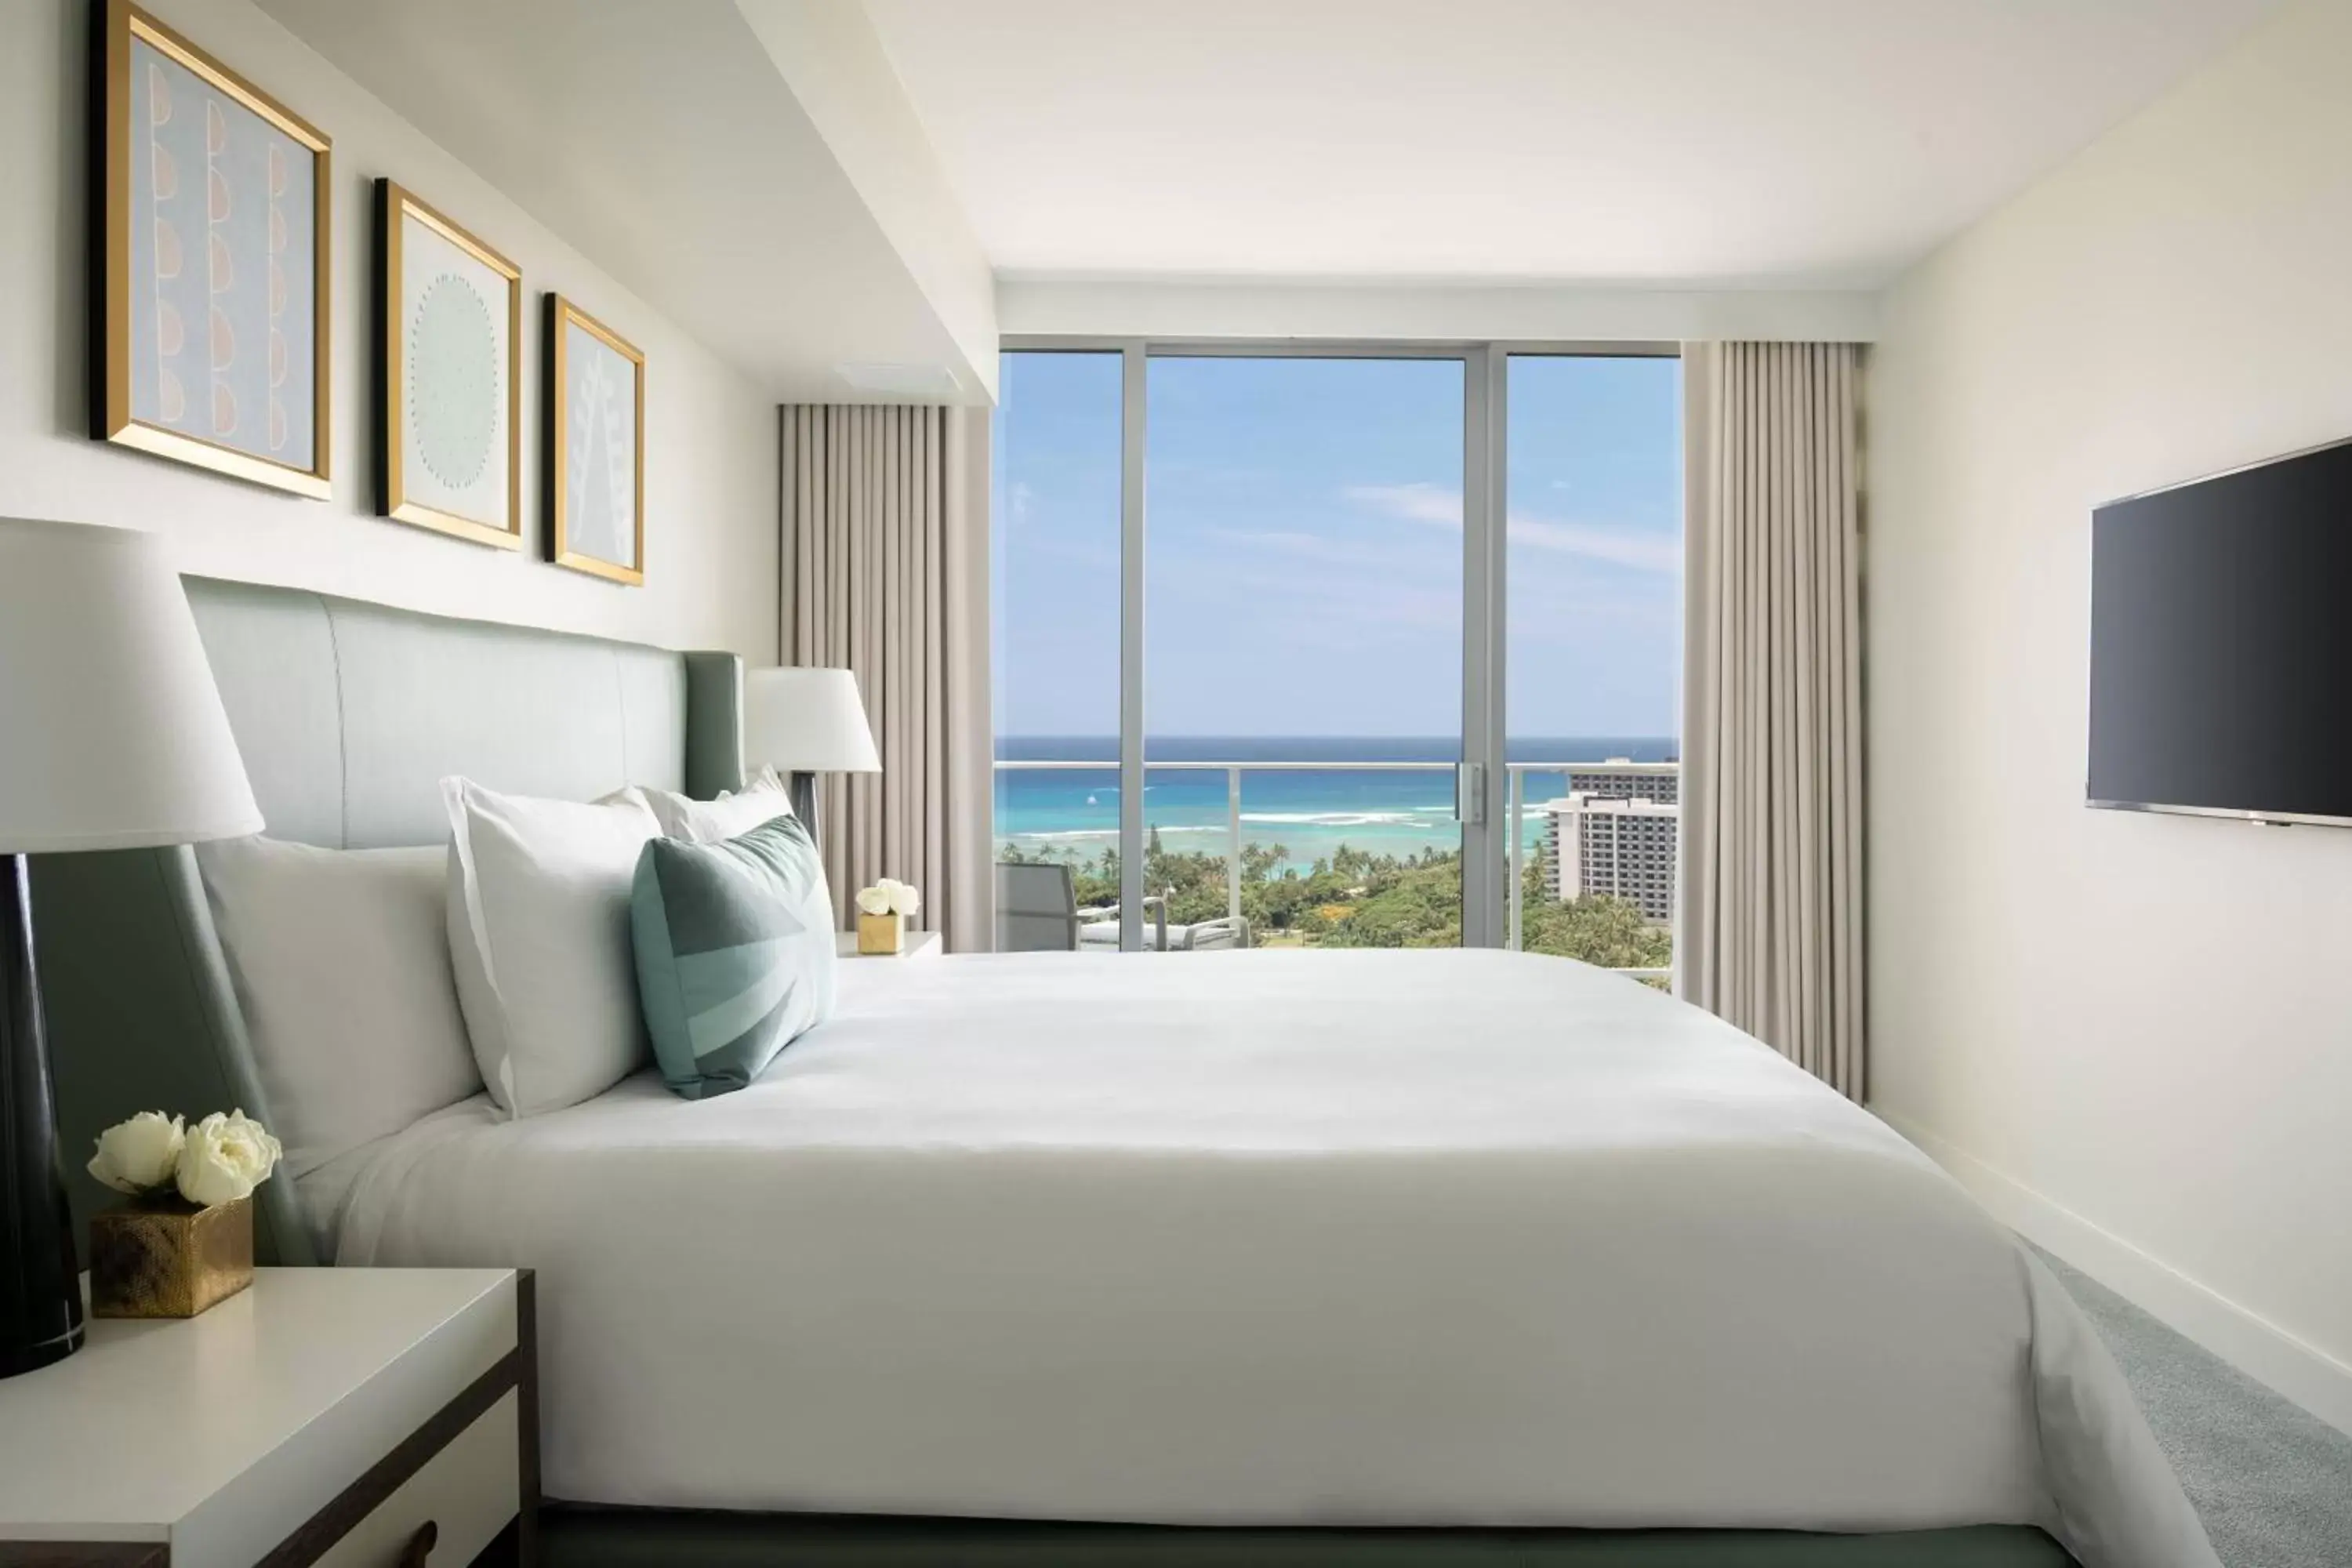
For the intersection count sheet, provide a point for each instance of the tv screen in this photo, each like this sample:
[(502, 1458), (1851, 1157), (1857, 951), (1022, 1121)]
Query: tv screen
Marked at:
[(2222, 644)]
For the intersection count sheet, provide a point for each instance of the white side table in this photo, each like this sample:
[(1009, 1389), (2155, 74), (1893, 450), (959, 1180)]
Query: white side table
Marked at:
[(338, 1416), (917, 944)]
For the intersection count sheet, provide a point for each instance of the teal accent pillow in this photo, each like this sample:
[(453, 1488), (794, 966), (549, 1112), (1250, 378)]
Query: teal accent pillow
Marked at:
[(735, 952)]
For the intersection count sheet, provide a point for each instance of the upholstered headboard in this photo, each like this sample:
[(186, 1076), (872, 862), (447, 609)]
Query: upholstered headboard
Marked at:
[(348, 715)]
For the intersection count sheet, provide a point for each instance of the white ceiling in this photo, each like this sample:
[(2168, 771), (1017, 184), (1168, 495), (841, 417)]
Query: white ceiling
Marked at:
[(1800, 143), (813, 187)]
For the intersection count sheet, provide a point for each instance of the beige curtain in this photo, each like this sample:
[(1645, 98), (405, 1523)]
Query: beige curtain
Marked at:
[(885, 522), (1772, 933)]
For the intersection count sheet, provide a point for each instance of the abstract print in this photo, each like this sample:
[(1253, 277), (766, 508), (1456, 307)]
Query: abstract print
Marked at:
[(451, 361), (600, 450), (222, 302)]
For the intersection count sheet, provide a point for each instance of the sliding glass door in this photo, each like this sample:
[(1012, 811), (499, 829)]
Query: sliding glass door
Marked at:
[(1340, 646), (1303, 648), (1593, 656), (1055, 614)]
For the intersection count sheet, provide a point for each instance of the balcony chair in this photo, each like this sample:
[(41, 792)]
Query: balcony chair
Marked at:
[(1100, 934), (1037, 907)]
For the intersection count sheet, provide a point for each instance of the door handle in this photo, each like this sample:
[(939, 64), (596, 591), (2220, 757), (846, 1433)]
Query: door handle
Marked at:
[(1470, 793), (420, 1545)]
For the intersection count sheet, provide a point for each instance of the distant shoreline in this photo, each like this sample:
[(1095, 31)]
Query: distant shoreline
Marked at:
[(1332, 748), (1310, 812)]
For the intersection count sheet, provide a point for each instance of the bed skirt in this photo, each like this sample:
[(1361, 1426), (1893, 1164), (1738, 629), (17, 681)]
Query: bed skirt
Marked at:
[(575, 1536)]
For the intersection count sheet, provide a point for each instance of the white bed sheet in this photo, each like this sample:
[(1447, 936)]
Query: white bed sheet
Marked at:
[(1401, 1238)]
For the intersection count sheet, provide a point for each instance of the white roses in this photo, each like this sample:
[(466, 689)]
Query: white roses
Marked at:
[(225, 1157), (889, 897), (139, 1153), (219, 1160)]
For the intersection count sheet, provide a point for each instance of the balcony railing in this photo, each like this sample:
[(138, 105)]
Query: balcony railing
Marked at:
[(1516, 773)]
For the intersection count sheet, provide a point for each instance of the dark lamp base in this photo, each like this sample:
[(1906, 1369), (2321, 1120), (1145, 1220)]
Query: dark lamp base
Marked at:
[(40, 1285)]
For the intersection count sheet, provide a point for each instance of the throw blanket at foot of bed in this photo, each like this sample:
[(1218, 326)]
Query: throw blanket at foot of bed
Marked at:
[(1354, 1237)]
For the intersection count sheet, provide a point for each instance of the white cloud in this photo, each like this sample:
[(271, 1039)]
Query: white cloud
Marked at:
[(1600, 542), (1338, 549), (1289, 541), (1612, 542), (1415, 502)]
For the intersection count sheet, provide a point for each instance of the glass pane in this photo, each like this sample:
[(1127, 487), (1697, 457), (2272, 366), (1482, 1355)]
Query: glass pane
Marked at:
[(1303, 578), (1186, 854), (1055, 623), (1594, 644)]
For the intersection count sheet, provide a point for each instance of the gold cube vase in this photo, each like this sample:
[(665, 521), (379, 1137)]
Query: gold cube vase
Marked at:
[(164, 1258), (881, 934)]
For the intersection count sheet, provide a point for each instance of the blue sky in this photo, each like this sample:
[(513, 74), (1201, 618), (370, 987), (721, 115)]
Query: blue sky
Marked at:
[(1304, 559)]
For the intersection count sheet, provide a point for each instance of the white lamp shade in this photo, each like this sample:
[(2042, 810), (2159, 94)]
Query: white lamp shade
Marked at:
[(803, 720), (111, 733)]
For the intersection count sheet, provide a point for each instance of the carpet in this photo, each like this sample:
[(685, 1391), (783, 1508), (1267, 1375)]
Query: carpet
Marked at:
[(2272, 1481)]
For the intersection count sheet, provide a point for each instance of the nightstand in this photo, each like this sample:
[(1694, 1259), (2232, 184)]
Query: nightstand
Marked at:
[(917, 944), (339, 1416)]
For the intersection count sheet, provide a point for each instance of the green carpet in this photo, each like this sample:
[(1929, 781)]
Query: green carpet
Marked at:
[(2272, 1481)]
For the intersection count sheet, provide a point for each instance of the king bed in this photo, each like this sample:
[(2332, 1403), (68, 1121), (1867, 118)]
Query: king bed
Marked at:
[(1345, 1257)]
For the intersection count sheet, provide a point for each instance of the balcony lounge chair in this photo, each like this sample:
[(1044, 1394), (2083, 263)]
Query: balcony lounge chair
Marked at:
[(1036, 908)]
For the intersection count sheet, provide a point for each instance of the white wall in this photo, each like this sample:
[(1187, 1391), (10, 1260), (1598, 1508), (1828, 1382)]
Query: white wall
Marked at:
[(711, 462), (1522, 312), (833, 59), (2133, 1032)]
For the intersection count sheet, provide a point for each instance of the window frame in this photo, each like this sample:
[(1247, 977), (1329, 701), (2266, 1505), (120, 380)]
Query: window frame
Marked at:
[(1490, 887)]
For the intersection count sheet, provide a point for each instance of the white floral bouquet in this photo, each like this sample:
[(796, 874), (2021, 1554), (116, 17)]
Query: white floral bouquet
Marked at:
[(218, 1160), (889, 897)]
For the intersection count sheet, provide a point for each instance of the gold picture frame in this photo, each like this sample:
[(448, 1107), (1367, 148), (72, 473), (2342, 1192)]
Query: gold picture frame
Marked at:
[(432, 504), (568, 544), (226, 129)]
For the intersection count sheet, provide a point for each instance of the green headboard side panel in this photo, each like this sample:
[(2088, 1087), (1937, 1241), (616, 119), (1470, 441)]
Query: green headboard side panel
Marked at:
[(714, 724), (348, 715), (141, 1016)]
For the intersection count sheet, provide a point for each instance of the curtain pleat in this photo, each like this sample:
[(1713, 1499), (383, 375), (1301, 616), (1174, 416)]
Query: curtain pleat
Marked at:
[(1771, 914), (871, 505)]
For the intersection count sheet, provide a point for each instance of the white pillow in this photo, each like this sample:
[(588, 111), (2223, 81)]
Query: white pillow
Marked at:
[(340, 961), (764, 799), (539, 935)]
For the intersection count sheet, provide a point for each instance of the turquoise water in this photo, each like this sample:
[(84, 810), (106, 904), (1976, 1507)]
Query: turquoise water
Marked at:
[(1309, 815)]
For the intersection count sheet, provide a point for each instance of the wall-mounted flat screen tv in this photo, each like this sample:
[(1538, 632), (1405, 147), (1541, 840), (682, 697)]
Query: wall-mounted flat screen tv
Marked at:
[(2221, 644)]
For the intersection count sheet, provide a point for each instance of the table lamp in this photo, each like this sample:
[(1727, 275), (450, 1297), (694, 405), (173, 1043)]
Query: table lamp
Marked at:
[(112, 737), (806, 721)]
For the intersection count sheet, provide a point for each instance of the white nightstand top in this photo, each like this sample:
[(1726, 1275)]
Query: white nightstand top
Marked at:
[(169, 1429), (917, 944)]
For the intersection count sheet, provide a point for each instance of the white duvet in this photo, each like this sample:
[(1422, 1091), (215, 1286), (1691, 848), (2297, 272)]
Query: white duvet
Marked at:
[(1411, 1238)]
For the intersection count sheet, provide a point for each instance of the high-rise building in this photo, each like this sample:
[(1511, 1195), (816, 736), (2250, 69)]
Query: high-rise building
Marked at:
[(1623, 847), (1620, 778)]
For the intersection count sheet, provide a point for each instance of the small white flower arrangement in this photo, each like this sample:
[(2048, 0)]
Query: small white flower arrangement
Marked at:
[(218, 1160), (882, 911), (889, 897)]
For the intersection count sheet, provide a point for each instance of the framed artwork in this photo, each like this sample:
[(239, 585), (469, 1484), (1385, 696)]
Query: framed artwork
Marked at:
[(449, 420), (212, 333), (595, 447)]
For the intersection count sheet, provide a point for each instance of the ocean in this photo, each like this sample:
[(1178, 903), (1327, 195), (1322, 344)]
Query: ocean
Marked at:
[(1308, 813)]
